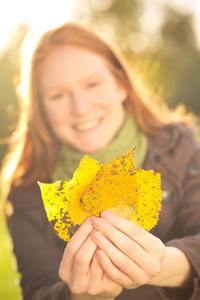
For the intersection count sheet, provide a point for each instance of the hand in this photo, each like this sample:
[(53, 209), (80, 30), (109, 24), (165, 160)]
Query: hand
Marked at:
[(81, 270), (128, 254)]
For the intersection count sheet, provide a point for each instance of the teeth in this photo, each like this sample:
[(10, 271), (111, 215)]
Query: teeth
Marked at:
[(88, 125)]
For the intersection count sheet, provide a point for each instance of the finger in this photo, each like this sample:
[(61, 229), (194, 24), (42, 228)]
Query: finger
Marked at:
[(101, 279), (119, 259), (111, 287), (73, 246), (149, 242), (112, 272), (100, 283), (96, 276), (124, 243), (83, 259), (80, 235)]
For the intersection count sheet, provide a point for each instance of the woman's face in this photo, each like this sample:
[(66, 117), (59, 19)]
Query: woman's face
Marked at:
[(82, 100)]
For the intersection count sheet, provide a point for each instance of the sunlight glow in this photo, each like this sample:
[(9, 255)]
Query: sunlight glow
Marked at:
[(39, 14), (197, 10), (44, 14)]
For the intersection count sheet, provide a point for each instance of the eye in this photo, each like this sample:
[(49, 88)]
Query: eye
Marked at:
[(57, 96), (93, 84)]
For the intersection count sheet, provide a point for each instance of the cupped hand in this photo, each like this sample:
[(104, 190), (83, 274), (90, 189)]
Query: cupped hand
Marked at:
[(80, 268), (128, 254)]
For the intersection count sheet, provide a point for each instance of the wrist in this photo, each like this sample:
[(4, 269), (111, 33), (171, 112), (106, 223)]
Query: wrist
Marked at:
[(73, 296), (176, 270)]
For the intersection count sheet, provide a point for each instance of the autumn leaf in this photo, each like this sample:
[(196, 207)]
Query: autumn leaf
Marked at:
[(132, 193), (66, 216), (55, 199), (111, 186), (83, 176)]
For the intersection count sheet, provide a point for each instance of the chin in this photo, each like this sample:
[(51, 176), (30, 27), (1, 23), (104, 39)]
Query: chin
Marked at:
[(93, 148), (88, 148)]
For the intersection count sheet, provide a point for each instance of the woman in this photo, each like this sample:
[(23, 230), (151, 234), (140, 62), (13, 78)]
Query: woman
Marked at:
[(82, 99)]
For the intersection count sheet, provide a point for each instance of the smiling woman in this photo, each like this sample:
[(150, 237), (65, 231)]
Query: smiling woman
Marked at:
[(81, 107), (82, 98)]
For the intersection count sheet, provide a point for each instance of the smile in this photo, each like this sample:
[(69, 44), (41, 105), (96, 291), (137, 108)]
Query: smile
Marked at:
[(88, 125)]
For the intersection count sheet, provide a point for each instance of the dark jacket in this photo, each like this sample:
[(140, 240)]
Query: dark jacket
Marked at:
[(39, 251)]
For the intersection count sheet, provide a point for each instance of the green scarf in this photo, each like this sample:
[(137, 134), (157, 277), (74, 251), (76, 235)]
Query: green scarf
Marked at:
[(128, 137)]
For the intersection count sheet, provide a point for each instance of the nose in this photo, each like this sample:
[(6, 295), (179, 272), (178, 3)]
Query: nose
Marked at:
[(79, 104)]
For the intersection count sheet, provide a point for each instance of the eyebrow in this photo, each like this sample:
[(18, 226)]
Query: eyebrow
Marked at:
[(92, 75), (84, 80)]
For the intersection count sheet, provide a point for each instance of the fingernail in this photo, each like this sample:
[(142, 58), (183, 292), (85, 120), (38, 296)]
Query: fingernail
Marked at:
[(91, 219), (101, 254), (98, 222), (105, 214), (98, 236)]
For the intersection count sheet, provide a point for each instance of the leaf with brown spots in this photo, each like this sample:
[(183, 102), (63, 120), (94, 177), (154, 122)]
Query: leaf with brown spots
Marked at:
[(132, 193)]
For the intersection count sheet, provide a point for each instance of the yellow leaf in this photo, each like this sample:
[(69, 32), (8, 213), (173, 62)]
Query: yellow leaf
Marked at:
[(113, 183), (145, 211), (83, 176), (115, 186), (149, 198), (65, 215), (133, 194), (55, 199)]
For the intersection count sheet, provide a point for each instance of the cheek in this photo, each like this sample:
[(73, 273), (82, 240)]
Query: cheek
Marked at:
[(112, 99), (109, 97), (54, 117), (52, 110), (116, 94)]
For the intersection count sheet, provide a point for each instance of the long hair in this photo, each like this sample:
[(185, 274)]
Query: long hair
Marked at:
[(28, 161)]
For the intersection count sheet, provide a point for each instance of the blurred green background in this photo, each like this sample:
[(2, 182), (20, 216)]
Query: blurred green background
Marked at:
[(158, 39)]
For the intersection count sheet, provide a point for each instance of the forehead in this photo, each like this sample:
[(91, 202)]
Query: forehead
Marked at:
[(67, 65), (71, 58)]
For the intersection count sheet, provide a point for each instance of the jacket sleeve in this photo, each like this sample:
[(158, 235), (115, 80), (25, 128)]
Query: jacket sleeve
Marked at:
[(37, 249), (189, 229)]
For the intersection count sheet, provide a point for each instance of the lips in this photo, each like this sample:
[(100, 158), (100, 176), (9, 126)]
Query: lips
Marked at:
[(87, 125)]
